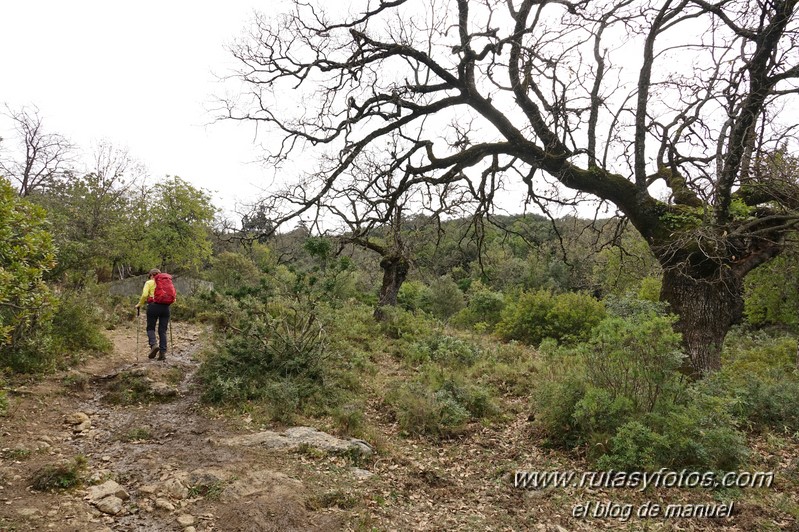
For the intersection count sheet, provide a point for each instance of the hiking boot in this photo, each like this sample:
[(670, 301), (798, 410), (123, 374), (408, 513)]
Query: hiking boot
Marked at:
[(153, 351), (162, 355)]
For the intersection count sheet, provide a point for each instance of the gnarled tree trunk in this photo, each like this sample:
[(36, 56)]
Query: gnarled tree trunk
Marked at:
[(707, 307), (395, 270)]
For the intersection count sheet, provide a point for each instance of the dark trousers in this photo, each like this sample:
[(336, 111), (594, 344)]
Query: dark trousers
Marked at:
[(157, 312)]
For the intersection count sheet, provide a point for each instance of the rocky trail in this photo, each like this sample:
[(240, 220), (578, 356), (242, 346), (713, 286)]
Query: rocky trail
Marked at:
[(150, 457)]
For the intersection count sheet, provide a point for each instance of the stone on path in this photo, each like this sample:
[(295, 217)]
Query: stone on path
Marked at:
[(186, 520), (105, 489), (296, 437), (109, 505), (164, 504)]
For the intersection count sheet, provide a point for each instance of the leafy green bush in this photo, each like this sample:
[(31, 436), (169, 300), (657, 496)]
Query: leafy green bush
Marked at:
[(637, 358), (567, 317), (440, 402), (759, 380), (555, 402), (772, 292), (33, 352), (423, 411), (277, 355), (233, 271), (775, 405), (191, 308), (484, 308), (444, 298), (447, 350), (26, 254), (621, 396), (699, 435), (627, 307), (758, 400), (402, 324), (77, 326), (760, 353), (412, 295)]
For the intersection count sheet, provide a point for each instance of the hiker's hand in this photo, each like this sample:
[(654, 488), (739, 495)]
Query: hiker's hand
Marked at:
[(137, 307)]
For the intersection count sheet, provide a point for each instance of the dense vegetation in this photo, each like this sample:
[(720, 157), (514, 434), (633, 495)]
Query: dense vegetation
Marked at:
[(522, 321)]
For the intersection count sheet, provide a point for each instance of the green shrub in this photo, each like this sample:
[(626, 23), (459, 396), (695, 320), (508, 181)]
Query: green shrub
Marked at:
[(446, 350), (484, 308), (278, 355), (622, 397), (759, 402), (695, 435), (760, 353), (412, 295), (349, 418), (440, 402), (628, 307), (421, 411), (599, 411), (33, 352), (771, 293), (191, 308), (555, 403), (567, 317), (444, 298), (402, 324), (637, 358), (773, 405), (233, 271), (475, 399), (58, 336), (650, 289), (77, 326), (634, 447), (27, 253)]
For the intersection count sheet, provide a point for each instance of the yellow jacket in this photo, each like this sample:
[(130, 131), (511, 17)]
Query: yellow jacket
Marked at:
[(148, 292)]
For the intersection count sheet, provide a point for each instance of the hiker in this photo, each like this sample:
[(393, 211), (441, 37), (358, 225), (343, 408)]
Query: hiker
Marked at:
[(158, 293)]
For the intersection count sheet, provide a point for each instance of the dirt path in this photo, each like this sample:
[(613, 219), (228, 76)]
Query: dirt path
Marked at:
[(147, 432)]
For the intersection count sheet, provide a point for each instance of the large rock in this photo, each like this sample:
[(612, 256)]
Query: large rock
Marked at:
[(175, 489), (77, 418), (161, 389), (296, 437), (186, 520), (260, 481), (164, 504), (106, 489), (109, 505)]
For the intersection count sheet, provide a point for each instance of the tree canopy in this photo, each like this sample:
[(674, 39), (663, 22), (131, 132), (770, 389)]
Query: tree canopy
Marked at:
[(673, 111), (26, 254)]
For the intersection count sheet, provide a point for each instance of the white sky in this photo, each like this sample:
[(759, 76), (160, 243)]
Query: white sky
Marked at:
[(140, 74)]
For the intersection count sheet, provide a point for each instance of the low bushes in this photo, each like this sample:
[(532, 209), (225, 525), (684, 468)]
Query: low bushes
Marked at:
[(621, 397), (534, 316), (277, 354), (61, 335)]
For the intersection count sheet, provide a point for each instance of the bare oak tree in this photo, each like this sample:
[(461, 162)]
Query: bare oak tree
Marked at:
[(678, 112), (39, 158)]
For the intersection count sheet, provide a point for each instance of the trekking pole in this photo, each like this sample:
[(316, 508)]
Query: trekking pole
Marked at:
[(138, 327), (170, 338)]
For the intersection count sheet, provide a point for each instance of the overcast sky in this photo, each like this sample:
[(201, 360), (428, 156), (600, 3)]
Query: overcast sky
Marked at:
[(140, 74)]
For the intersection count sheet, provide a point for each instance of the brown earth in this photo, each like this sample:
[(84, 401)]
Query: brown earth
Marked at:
[(163, 450)]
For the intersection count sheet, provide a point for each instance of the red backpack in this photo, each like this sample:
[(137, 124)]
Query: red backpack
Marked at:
[(164, 289)]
